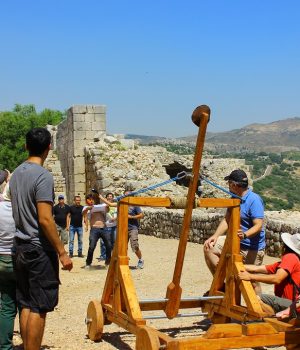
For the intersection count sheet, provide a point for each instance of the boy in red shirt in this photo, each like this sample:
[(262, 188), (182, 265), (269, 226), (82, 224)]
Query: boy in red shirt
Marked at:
[(285, 275)]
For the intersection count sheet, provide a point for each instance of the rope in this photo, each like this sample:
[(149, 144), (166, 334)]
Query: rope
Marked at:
[(220, 188), (179, 176), (180, 202)]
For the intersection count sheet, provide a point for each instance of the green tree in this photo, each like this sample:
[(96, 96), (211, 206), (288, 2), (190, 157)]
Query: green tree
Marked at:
[(13, 127)]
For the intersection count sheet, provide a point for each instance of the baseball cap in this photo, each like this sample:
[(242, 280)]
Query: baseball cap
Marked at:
[(237, 175), (61, 196)]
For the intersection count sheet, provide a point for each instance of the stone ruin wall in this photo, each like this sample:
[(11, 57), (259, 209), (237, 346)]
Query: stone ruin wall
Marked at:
[(167, 223), (89, 158), (83, 122)]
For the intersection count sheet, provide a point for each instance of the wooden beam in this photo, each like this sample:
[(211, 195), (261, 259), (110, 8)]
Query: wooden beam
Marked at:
[(218, 203)]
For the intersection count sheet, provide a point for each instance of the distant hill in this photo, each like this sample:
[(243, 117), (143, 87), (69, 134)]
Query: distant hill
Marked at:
[(278, 136), (143, 139)]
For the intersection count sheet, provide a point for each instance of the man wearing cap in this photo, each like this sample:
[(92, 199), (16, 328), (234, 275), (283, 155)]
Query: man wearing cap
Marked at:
[(284, 274), (251, 232), (60, 213)]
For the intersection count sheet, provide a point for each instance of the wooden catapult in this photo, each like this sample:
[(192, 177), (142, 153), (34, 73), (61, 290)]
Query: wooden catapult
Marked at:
[(120, 304)]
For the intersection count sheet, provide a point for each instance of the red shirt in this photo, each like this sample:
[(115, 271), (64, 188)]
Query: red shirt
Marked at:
[(291, 264)]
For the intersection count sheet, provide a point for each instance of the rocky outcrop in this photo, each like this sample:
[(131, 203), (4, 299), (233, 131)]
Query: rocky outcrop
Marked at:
[(112, 165)]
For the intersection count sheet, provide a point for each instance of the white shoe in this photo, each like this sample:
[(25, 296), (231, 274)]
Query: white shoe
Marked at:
[(140, 264)]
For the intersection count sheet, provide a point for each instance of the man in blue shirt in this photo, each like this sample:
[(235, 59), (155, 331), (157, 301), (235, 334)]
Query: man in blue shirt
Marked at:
[(251, 233)]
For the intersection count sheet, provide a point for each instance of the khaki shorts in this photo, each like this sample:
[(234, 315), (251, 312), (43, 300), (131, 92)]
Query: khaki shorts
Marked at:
[(63, 234), (134, 240), (251, 257)]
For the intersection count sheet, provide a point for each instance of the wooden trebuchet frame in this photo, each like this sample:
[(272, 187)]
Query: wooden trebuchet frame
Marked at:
[(120, 304)]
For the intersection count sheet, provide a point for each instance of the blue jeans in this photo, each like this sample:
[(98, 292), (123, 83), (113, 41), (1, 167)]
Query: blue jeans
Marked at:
[(79, 231), (95, 234), (112, 234), (8, 308)]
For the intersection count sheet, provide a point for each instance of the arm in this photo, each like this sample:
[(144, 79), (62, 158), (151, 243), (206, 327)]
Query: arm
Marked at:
[(104, 200), (68, 222), (48, 226), (137, 216), (85, 220), (274, 278), (253, 231)]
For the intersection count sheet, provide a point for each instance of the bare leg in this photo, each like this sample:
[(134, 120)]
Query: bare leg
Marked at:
[(211, 259), (32, 329), (23, 323), (138, 253)]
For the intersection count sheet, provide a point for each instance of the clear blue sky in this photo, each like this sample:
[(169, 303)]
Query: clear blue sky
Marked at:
[(152, 62)]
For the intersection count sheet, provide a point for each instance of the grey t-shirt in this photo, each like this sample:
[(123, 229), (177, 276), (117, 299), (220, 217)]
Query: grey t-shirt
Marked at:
[(29, 184), (7, 228)]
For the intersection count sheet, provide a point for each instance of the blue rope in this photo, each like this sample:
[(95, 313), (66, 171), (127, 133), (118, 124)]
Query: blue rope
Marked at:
[(179, 176), (221, 188)]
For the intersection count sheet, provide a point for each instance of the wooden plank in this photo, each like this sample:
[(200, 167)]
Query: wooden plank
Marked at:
[(147, 201), (258, 329), (201, 114), (122, 229), (129, 293), (237, 312), (248, 292), (218, 203), (224, 331), (280, 326), (201, 343)]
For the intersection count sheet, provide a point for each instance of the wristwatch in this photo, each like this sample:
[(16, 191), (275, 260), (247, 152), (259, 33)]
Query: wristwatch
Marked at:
[(244, 235)]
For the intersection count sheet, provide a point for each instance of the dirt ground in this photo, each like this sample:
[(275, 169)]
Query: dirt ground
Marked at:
[(65, 327)]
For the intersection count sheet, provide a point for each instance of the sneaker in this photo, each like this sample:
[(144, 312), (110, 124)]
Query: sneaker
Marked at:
[(140, 264), (101, 258), (80, 255), (87, 267)]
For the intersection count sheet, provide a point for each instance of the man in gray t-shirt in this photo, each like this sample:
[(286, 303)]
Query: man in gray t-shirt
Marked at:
[(37, 244), (31, 183)]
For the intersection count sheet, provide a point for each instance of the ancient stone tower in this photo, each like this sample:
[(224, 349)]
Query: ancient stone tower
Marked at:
[(73, 134)]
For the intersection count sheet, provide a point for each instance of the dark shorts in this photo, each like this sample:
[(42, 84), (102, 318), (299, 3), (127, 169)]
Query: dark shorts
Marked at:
[(37, 278)]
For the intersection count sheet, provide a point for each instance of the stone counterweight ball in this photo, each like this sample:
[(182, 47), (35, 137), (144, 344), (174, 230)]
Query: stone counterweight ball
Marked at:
[(199, 112)]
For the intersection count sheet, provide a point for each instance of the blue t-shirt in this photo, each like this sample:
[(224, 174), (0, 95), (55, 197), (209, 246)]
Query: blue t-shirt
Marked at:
[(252, 207), (133, 223)]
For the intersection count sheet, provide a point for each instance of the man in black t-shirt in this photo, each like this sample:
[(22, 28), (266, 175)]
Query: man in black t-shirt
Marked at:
[(74, 223), (60, 213)]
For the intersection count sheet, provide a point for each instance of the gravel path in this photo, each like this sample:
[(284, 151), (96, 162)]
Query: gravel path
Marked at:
[(65, 328)]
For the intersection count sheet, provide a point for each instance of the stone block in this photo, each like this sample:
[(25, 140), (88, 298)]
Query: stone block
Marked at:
[(79, 117), (78, 109), (79, 187), (78, 152), (89, 117), (79, 165), (82, 126), (80, 135), (99, 126), (96, 109), (79, 178), (90, 135), (99, 118)]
